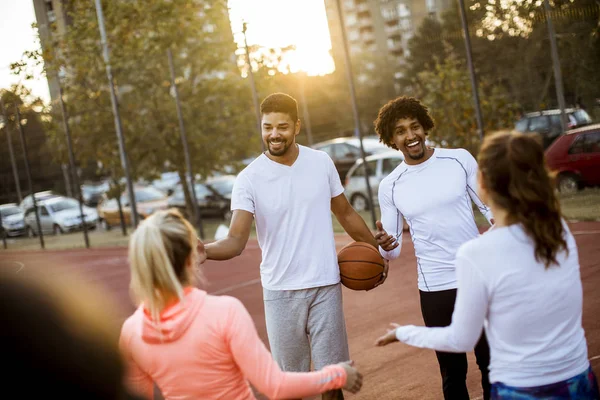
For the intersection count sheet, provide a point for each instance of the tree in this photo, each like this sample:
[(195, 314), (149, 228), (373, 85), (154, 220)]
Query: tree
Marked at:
[(45, 172), (447, 92), (215, 101)]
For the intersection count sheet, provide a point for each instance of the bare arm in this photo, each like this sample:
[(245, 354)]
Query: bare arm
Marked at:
[(352, 223), (237, 237)]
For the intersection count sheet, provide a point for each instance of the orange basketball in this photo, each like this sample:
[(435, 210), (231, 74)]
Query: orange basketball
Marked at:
[(361, 266)]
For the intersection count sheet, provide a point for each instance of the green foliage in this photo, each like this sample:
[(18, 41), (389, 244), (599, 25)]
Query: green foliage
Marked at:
[(215, 101), (510, 48), (447, 91)]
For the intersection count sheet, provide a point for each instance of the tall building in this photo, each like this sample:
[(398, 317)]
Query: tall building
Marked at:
[(380, 27), (51, 20)]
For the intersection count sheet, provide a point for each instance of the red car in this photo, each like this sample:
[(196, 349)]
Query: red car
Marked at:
[(575, 156)]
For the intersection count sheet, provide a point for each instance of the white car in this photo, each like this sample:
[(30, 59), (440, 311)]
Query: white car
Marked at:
[(344, 151), (59, 215), (380, 166), (13, 220)]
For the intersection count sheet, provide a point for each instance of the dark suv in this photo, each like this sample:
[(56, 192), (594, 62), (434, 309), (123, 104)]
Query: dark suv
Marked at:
[(575, 156), (547, 123)]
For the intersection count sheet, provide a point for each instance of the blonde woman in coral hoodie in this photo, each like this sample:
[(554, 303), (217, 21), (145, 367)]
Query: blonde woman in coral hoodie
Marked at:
[(194, 345)]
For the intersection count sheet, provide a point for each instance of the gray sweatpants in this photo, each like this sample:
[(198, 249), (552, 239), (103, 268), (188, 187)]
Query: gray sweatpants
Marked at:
[(305, 325)]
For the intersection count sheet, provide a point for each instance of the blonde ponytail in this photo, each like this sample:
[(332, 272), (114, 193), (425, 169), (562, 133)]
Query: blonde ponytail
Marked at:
[(160, 251)]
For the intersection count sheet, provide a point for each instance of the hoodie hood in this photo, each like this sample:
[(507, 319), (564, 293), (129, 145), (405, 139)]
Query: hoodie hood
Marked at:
[(174, 320)]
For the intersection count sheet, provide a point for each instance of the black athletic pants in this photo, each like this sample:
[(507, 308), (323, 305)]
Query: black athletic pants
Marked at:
[(437, 308)]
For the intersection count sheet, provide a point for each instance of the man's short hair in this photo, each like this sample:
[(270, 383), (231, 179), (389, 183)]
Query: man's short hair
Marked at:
[(280, 103), (401, 107)]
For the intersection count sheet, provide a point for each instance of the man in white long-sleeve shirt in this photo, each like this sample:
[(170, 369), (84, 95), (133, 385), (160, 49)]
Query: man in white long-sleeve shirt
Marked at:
[(433, 190)]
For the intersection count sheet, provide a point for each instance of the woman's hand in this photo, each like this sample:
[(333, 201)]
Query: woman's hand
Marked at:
[(389, 337), (353, 377)]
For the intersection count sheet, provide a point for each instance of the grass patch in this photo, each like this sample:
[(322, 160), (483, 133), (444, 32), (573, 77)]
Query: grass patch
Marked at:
[(582, 206), (98, 238)]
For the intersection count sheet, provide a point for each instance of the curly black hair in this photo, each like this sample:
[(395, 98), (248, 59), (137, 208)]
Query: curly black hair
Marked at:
[(401, 107), (280, 103)]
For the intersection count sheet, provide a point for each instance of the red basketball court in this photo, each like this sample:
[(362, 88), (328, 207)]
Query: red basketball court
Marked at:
[(393, 372)]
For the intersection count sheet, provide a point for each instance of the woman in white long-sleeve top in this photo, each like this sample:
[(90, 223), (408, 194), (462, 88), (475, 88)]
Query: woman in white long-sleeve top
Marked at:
[(520, 281)]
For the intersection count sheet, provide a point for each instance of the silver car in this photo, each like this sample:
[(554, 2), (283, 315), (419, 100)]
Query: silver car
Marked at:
[(13, 221), (59, 215), (380, 166)]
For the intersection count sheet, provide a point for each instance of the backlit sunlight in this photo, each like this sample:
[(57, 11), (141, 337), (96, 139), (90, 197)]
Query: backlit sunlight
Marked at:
[(281, 23)]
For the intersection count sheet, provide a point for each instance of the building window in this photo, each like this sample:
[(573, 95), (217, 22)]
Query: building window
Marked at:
[(431, 8), (389, 13)]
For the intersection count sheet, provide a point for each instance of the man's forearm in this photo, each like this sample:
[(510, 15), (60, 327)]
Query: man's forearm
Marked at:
[(224, 249), (358, 230)]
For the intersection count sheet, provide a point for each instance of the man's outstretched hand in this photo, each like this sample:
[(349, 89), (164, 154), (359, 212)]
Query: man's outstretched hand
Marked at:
[(385, 241)]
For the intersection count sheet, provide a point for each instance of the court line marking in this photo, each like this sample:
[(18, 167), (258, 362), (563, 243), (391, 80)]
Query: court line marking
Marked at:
[(18, 264), (235, 287), (585, 233)]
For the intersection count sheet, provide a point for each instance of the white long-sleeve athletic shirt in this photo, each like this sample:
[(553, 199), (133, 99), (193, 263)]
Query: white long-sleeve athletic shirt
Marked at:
[(435, 199), (531, 314)]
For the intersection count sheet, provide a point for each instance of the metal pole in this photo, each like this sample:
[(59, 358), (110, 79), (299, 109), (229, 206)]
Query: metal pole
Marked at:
[(253, 86), (556, 66), (357, 130), (305, 113), (3, 232), (465, 26), (63, 109), (186, 150), (28, 173), (11, 152), (68, 185), (115, 108)]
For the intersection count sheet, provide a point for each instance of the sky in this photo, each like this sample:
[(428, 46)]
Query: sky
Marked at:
[(271, 23), (16, 17)]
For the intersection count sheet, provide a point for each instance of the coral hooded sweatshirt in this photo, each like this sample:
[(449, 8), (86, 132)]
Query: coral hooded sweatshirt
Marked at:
[(207, 347)]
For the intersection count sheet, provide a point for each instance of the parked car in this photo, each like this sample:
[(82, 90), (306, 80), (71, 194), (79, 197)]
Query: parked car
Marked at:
[(27, 201), (148, 200), (222, 184), (59, 215), (547, 123), (345, 151), (167, 183), (210, 202), (575, 156), (13, 219), (92, 192), (380, 165)]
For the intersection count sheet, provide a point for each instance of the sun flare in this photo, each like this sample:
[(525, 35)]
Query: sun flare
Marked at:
[(281, 23)]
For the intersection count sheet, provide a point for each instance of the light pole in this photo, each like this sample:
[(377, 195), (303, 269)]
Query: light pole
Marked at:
[(302, 76), (474, 87), (556, 66), (117, 115), (357, 130), (253, 87), (63, 109), (186, 150), (10, 150), (28, 173)]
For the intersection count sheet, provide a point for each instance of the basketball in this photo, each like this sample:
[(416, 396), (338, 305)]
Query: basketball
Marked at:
[(361, 266)]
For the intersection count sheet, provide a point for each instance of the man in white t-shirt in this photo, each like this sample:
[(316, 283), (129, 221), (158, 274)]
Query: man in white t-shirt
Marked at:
[(433, 190), (290, 192)]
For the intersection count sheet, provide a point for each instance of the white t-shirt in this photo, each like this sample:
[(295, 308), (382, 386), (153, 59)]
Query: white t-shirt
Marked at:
[(292, 210), (532, 315), (435, 199)]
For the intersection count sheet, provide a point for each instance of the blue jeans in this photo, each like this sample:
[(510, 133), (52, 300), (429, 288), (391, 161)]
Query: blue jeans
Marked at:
[(581, 387)]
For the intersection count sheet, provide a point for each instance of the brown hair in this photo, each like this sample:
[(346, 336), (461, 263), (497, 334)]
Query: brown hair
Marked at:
[(401, 107), (282, 103), (514, 173)]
